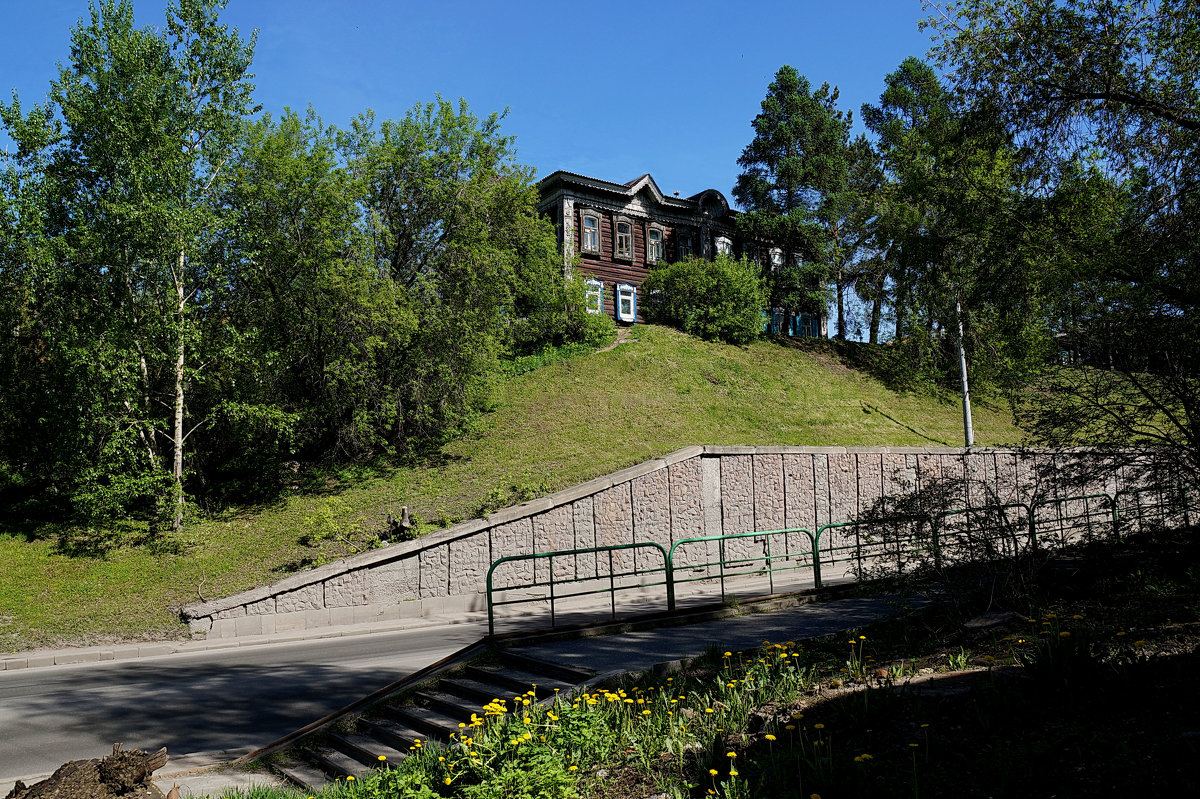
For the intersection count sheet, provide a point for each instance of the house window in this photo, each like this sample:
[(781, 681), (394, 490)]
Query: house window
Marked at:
[(593, 296), (624, 240), (724, 246), (591, 233), (776, 256), (654, 245), (626, 303), (685, 244)]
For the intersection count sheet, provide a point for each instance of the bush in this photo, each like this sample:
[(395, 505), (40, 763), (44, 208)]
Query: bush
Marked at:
[(719, 300)]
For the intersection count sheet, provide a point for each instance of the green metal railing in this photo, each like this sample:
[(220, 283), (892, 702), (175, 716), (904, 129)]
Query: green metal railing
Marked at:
[(771, 557), (552, 597), (963, 533)]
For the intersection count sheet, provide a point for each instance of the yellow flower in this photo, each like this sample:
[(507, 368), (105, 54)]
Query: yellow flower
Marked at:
[(731, 754), (447, 780), (733, 772), (1064, 634), (350, 778), (712, 771), (572, 768), (383, 757), (770, 737), (818, 726)]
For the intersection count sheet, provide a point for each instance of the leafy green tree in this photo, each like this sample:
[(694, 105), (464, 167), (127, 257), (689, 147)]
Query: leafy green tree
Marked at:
[(717, 300), (967, 289), (794, 176), (139, 128), (1107, 95)]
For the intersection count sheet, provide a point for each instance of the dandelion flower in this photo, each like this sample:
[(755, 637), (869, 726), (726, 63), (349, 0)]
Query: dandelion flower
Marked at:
[(383, 757), (818, 726), (769, 737), (733, 772), (712, 771)]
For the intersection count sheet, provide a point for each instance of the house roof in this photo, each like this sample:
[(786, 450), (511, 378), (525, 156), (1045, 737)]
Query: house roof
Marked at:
[(629, 189)]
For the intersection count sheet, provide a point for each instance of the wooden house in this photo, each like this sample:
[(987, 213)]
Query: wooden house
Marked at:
[(619, 231)]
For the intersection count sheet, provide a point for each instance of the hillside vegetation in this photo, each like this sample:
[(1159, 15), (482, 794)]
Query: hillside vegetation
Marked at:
[(557, 425)]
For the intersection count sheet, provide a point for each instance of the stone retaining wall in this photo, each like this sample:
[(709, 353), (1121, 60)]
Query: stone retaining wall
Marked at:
[(693, 492)]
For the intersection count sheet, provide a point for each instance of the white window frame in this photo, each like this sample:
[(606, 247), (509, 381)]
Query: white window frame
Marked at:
[(624, 253), (593, 296), (626, 291), (655, 249), (724, 245), (776, 257), (594, 245)]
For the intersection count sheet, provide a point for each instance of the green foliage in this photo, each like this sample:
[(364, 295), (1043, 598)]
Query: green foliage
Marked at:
[(717, 300), (794, 173)]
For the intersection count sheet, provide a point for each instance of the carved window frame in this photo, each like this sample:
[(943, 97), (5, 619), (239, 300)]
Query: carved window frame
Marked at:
[(593, 296), (724, 245), (624, 253), (656, 250), (584, 215)]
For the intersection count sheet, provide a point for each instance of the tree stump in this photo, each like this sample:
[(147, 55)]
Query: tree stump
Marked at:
[(121, 775)]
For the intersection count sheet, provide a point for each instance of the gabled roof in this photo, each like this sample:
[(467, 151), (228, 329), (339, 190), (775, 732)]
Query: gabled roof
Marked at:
[(625, 190)]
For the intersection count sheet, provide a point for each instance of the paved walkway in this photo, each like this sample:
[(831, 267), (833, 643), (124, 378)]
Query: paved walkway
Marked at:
[(632, 651)]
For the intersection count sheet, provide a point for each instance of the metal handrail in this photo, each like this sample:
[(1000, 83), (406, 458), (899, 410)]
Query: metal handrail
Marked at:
[(612, 575), (769, 557), (814, 553)]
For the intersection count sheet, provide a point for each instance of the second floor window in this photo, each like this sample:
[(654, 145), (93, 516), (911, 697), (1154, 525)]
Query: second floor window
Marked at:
[(685, 245), (724, 246), (654, 246), (591, 233), (624, 240)]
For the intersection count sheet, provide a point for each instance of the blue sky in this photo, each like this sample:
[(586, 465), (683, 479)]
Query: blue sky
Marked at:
[(608, 89)]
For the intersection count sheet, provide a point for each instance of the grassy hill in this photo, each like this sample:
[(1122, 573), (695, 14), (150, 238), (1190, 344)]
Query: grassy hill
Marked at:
[(552, 427)]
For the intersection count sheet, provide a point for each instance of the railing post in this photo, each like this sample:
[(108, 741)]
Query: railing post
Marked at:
[(935, 537), (815, 538), (550, 565), (770, 571), (1032, 517), (612, 584), (669, 568)]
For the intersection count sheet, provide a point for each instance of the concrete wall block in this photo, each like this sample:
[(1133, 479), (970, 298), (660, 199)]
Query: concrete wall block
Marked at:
[(737, 494), (896, 480), (770, 512), (394, 582), (469, 564), (434, 571), (289, 622), (583, 519), (346, 590), (870, 480), (310, 597), (614, 525), (235, 612), (264, 607), (979, 491), (651, 497), (843, 487), (686, 485), (821, 494), (514, 538), (929, 470), (799, 500), (553, 531), (710, 478)]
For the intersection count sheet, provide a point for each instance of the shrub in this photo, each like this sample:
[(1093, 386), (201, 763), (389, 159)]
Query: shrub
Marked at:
[(718, 300)]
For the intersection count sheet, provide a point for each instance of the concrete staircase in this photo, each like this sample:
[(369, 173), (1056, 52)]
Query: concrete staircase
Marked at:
[(429, 714)]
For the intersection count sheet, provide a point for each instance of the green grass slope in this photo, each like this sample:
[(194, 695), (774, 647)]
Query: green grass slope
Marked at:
[(557, 426)]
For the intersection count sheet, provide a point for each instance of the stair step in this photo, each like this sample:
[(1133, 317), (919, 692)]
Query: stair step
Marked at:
[(473, 690), (366, 749), (435, 725), (396, 734), (454, 707), (518, 681), (336, 763), (305, 775), (568, 674)]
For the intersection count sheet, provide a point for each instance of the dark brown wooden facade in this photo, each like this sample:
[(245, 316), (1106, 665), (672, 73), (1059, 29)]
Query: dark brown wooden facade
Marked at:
[(620, 230)]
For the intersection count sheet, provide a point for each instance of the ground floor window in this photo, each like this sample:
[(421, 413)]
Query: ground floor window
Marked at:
[(593, 296), (626, 303)]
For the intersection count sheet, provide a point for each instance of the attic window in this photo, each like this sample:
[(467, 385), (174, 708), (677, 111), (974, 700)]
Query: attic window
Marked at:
[(591, 232)]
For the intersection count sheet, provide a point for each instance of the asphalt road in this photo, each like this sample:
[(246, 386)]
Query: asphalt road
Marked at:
[(204, 707)]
